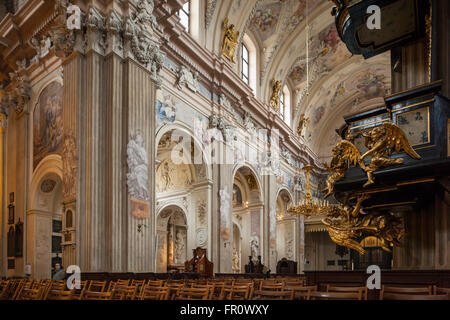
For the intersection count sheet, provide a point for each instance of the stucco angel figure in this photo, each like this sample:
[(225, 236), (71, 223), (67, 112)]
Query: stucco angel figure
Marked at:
[(230, 40), (137, 178)]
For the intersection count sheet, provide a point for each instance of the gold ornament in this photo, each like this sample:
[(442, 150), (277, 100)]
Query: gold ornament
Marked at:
[(302, 123), (381, 142), (230, 40), (276, 94)]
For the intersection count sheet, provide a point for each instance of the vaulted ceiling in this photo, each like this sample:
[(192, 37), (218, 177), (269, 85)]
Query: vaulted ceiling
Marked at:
[(337, 83)]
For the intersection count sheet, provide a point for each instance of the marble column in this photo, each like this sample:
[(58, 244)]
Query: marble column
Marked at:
[(74, 101), (139, 103)]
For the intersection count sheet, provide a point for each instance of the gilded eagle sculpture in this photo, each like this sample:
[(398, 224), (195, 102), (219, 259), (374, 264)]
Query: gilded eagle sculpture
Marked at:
[(381, 141)]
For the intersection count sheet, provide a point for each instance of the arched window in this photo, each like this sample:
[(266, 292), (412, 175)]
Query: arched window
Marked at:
[(249, 65), (245, 64), (282, 107), (185, 16), (285, 105)]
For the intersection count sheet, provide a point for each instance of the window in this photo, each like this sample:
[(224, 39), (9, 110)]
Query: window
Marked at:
[(184, 14), (245, 64), (285, 105)]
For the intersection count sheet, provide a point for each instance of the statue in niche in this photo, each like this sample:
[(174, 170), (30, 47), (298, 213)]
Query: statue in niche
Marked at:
[(254, 246), (179, 248), (137, 178), (166, 170), (236, 268)]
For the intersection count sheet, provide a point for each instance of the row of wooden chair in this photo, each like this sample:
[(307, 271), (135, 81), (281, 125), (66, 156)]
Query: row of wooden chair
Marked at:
[(205, 289)]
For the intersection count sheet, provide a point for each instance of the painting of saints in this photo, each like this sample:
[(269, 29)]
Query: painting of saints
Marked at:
[(47, 123)]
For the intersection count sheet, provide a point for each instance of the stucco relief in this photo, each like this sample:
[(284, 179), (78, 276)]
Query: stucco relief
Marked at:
[(171, 177)]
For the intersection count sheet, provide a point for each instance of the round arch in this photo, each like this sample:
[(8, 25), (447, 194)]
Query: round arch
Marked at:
[(177, 125), (51, 164), (253, 170)]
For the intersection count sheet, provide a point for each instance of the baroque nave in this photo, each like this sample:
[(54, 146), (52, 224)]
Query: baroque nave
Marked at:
[(174, 139)]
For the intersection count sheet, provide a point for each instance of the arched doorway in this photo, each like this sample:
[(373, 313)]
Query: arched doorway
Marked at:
[(182, 180), (247, 218), (44, 221), (172, 239), (285, 228)]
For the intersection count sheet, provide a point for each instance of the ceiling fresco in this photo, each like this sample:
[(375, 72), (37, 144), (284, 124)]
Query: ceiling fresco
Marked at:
[(339, 83)]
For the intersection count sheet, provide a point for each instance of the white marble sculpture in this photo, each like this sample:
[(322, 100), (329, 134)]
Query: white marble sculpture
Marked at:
[(179, 248), (254, 246), (273, 222), (137, 177), (225, 202)]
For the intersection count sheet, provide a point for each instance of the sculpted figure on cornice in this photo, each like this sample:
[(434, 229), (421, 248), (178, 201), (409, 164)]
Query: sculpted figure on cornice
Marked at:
[(185, 77), (230, 40), (42, 46), (63, 39), (228, 131), (276, 94), (144, 49), (225, 102), (249, 125)]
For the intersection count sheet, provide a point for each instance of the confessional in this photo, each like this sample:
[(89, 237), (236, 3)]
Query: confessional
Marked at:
[(199, 263), (285, 266)]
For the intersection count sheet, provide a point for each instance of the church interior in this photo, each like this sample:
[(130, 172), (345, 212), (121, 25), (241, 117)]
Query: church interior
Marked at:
[(224, 149)]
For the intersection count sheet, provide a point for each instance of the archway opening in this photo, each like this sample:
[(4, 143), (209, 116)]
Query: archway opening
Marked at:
[(247, 219), (172, 240)]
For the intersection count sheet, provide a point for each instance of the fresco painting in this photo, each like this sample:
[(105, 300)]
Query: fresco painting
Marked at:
[(47, 123)]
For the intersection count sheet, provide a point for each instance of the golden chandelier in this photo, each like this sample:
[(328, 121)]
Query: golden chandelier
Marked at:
[(309, 207)]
